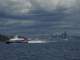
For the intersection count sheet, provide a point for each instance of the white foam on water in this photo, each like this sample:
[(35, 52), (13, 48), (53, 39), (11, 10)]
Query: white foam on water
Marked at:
[(39, 41)]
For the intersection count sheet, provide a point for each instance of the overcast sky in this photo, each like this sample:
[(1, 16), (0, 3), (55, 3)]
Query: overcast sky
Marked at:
[(39, 16)]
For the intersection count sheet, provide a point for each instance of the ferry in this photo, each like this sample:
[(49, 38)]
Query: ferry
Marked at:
[(18, 39)]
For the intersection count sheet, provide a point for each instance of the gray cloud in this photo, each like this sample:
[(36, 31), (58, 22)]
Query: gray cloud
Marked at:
[(39, 16), (24, 7), (15, 7), (52, 5), (13, 22)]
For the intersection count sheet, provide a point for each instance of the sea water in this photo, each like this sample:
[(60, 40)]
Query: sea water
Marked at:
[(46, 51)]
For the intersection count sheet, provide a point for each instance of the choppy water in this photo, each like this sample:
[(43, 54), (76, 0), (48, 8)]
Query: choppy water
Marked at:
[(48, 51)]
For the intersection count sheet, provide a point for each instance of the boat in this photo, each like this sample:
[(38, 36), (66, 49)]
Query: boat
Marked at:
[(17, 39)]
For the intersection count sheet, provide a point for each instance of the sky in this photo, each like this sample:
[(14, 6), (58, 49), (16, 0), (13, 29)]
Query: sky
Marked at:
[(39, 16)]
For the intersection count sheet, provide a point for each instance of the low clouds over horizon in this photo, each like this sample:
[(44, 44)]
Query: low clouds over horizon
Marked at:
[(39, 15)]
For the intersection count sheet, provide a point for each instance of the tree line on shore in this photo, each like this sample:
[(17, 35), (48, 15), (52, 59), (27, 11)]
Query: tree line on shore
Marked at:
[(4, 38)]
